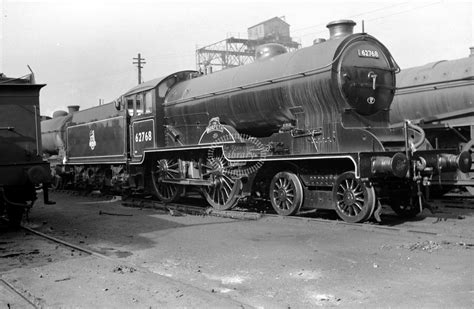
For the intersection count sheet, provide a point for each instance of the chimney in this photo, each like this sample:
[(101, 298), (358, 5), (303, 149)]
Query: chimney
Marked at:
[(72, 108), (340, 28)]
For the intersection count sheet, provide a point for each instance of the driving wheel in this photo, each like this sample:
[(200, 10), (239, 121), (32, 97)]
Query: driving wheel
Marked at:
[(286, 193), (162, 170), (224, 193)]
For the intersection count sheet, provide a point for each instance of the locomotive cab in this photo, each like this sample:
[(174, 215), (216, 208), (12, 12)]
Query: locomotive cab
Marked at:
[(144, 106)]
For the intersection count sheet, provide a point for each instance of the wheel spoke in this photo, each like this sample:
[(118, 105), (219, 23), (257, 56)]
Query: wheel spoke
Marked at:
[(214, 194), (347, 185), (358, 205), (354, 201), (166, 169), (286, 193), (345, 206), (223, 194), (279, 184)]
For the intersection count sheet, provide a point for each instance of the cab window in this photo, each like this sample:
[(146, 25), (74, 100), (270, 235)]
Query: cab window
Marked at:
[(139, 105), (148, 102), (130, 106), (162, 89), (166, 86)]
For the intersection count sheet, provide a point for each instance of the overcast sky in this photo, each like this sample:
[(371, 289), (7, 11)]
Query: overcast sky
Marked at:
[(83, 49)]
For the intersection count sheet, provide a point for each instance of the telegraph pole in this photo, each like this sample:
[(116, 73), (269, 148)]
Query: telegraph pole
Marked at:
[(139, 62)]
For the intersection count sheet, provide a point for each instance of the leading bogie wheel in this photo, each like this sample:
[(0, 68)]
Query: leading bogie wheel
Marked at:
[(354, 200), (286, 193)]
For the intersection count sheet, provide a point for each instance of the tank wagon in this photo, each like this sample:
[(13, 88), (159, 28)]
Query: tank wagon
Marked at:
[(304, 130), (439, 97), (22, 167)]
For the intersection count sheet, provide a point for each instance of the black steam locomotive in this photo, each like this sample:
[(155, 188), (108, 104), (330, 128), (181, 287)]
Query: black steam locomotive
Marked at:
[(22, 167), (302, 130), (439, 97)]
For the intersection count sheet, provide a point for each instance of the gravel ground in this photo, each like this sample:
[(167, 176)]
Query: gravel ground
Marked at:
[(157, 260)]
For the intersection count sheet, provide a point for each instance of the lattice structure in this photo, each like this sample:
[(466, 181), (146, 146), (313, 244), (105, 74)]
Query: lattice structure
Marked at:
[(233, 52), (224, 54)]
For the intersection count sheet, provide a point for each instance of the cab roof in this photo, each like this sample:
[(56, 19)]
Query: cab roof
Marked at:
[(154, 82)]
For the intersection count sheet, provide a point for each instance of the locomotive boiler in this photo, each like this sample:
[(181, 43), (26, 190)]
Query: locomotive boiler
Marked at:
[(303, 130), (439, 97), (22, 167)]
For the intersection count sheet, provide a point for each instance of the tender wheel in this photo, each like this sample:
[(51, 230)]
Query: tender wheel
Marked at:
[(166, 169), (225, 192), (286, 193), (354, 201)]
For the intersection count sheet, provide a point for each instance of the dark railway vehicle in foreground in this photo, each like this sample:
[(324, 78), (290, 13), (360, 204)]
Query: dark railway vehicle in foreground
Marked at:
[(22, 167), (304, 130), (439, 97)]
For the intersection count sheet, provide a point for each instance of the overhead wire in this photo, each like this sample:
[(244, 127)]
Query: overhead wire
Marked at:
[(401, 12), (352, 16), (380, 17)]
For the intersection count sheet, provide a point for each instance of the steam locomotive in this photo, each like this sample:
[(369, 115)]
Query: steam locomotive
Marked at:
[(439, 97), (303, 130), (22, 167)]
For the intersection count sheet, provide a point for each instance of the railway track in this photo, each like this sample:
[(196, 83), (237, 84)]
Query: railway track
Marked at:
[(452, 207), (443, 209), (20, 299), (28, 300)]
